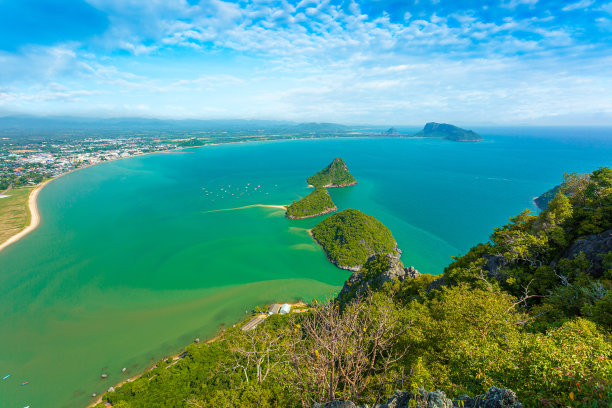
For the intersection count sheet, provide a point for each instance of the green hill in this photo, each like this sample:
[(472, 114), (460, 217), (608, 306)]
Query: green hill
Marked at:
[(193, 142), (334, 175), (318, 202), (350, 238)]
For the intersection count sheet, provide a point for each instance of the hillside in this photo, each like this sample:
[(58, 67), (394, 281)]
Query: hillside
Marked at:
[(350, 238), (318, 202), (571, 183), (529, 311), (448, 132), (336, 174), (193, 142)]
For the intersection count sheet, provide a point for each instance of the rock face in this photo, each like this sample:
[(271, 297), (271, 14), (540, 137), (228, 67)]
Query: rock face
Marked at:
[(360, 281), (494, 398), (448, 132), (594, 247), (494, 267)]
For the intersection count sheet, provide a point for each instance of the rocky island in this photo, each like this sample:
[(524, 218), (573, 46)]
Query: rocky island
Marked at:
[(316, 203), (448, 132), (334, 175), (350, 238)]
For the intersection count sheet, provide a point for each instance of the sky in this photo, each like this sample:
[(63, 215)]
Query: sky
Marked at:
[(396, 62)]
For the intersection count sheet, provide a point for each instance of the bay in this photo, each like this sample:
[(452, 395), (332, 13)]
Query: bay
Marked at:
[(135, 258)]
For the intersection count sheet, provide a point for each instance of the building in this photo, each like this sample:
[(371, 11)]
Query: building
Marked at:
[(286, 308), (274, 309)]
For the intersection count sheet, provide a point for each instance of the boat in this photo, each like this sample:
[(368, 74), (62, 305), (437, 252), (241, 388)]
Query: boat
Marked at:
[(6, 376), (25, 383)]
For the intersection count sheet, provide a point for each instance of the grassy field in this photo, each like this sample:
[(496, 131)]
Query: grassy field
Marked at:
[(14, 213)]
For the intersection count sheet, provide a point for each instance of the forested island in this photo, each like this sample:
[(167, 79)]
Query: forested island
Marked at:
[(448, 132), (523, 320), (336, 174), (318, 202), (350, 238)]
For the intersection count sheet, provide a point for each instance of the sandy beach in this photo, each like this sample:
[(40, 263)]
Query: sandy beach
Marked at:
[(34, 219)]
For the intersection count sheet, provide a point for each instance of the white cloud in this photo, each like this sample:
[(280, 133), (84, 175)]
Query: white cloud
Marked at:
[(579, 5), (313, 61), (512, 4)]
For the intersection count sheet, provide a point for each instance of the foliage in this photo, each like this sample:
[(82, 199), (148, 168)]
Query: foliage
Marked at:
[(348, 354), (336, 174), (316, 203), (351, 237), (193, 142), (530, 254), (515, 312)]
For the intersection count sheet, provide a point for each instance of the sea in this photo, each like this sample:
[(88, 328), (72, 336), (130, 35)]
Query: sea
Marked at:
[(136, 258)]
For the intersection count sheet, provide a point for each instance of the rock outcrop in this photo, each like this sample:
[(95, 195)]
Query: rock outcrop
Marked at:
[(360, 281), (494, 398), (594, 248)]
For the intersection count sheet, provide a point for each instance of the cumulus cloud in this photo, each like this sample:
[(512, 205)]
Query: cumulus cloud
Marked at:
[(322, 60)]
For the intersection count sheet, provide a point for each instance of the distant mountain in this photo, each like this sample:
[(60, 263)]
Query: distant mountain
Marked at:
[(448, 132), (74, 127), (392, 132), (313, 127)]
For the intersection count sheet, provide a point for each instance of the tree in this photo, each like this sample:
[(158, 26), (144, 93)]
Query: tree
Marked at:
[(346, 354)]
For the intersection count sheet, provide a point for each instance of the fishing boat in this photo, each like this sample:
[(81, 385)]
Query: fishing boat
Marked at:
[(6, 376)]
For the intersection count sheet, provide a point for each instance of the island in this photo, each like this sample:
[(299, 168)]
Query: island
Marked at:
[(336, 174), (350, 238), (448, 132), (318, 202)]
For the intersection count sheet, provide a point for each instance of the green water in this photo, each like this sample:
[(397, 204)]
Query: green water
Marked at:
[(132, 261)]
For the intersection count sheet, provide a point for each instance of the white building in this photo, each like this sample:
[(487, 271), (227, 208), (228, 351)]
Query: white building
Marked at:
[(286, 308)]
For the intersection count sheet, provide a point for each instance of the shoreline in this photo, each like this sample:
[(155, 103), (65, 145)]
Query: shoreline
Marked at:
[(176, 358), (34, 216), (327, 211), (33, 207)]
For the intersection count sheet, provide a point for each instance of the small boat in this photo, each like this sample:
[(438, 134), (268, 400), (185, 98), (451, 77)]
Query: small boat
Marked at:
[(6, 376), (25, 383)]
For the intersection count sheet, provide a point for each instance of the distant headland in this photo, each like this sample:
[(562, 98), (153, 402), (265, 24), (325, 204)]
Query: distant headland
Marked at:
[(448, 132)]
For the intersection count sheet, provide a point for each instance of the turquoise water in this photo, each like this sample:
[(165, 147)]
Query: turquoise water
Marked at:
[(132, 260)]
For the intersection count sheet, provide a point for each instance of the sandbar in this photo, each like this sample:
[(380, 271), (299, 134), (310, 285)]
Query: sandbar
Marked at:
[(282, 207)]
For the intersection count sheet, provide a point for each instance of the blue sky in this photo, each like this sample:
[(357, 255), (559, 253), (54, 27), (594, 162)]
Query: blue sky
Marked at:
[(378, 62)]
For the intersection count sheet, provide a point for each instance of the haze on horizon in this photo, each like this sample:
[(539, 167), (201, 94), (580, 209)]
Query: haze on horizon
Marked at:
[(539, 62)]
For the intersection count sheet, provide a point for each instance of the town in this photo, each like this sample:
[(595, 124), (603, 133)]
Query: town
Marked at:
[(29, 163)]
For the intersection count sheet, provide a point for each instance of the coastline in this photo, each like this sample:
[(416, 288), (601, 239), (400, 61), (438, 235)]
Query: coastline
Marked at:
[(34, 216), (327, 211), (176, 357), (33, 208)]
